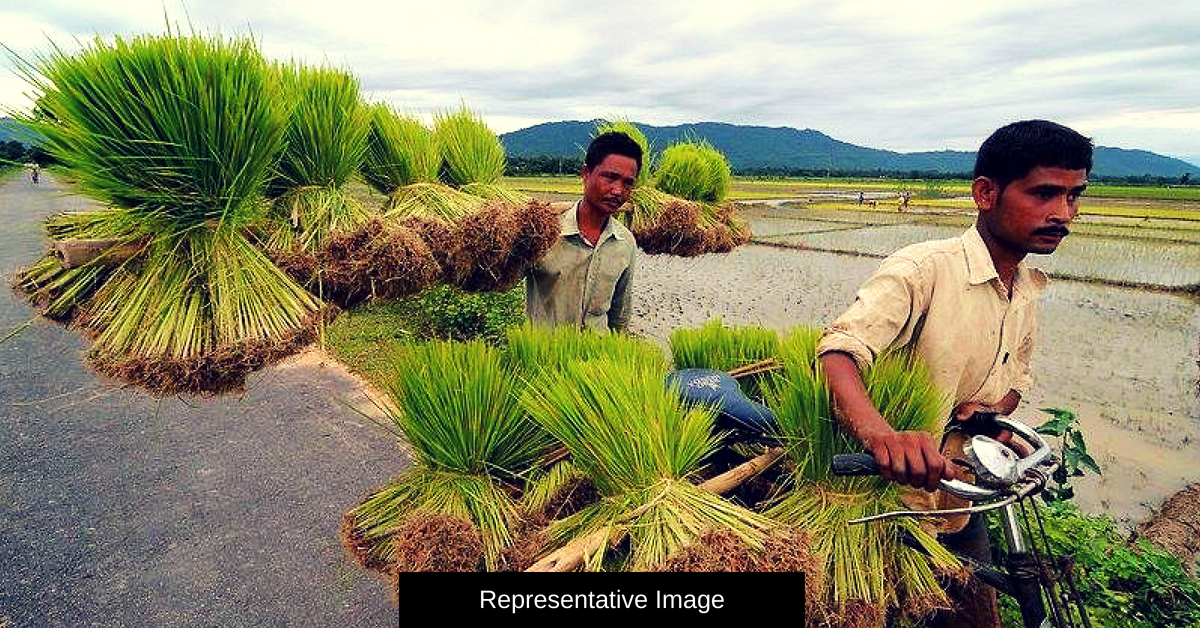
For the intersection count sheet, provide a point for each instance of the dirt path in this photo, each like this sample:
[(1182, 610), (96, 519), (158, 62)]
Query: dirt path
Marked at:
[(117, 509)]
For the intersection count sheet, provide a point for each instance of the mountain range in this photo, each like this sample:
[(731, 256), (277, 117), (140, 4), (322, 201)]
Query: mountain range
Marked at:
[(759, 148)]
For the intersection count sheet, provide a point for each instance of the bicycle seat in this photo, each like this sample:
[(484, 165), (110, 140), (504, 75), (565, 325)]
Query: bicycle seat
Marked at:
[(719, 390)]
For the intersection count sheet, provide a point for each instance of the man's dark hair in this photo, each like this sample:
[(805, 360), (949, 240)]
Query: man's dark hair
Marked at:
[(1016, 149), (612, 143)]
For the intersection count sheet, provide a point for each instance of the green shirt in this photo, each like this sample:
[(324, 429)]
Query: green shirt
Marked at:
[(580, 284)]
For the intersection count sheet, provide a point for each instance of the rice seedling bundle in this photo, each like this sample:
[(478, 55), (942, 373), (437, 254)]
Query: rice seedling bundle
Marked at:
[(634, 439), (378, 260), (181, 133), (401, 151), (471, 153), (684, 211), (695, 171), (533, 350), (458, 409), (326, 141), (865, 572), (715, 346), (444, 184)]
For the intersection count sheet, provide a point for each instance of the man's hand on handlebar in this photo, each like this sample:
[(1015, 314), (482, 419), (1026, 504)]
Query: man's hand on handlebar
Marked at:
[(909, 458)]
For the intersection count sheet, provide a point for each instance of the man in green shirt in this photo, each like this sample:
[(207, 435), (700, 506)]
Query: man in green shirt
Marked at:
[(586, 279)]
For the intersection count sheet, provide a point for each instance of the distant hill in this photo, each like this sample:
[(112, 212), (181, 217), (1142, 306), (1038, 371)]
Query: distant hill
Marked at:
[(758, 148), (12, 130)]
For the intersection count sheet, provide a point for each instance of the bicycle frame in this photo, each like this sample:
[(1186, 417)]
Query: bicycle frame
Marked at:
[(1003, 480)]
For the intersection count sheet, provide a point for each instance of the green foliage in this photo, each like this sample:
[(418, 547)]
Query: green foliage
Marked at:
[(537, 349), (327, 129), (459, 410), (470, 151), (715, 346), (694, 171), (400, 151), (1073, 450), (185, 129), (1123, 585), (635, 440), (451, 313)]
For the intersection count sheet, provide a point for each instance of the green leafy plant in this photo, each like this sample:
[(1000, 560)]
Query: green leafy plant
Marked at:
[(1075, 457), (451, 313), (1123, 584)]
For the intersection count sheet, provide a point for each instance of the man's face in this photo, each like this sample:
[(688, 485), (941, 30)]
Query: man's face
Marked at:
[(1031, 214), (607, 186)]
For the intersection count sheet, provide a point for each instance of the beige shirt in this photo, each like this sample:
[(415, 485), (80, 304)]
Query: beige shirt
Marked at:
[(944, 299), (577, 283)]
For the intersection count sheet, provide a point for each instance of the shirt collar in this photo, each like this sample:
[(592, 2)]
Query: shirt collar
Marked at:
[(569, 225), (981, 269)]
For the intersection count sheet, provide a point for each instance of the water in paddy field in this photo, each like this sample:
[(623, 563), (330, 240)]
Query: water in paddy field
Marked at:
[(1124, 359)]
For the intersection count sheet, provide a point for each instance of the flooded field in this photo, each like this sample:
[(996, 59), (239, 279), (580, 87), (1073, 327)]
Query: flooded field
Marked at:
[(1109, 250), (1124, 359)]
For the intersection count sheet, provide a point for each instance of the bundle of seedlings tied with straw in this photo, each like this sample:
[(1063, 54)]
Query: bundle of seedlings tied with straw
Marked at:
[(510, 232), (634, 439), (444, 184), (457, 407), (865, 572), (179, 134), (533, 351), (326, 139), (364, 255), (747, 352), (681, 209)]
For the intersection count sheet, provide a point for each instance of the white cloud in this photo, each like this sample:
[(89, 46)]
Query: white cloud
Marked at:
[(934, 75)]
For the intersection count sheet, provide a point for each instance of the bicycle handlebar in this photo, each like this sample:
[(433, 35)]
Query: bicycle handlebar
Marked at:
[(995, 466)]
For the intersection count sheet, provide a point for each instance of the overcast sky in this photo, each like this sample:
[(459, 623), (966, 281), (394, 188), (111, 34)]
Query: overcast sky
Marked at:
[(904, 76)]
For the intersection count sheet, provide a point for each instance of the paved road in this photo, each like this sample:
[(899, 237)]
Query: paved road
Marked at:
[(117, 509)]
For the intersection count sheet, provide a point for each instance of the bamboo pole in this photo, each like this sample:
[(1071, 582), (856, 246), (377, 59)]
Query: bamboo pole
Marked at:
[(74, 253), (570, 556)]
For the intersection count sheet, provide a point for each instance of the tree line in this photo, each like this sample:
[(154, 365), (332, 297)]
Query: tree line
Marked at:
[(545, 165)]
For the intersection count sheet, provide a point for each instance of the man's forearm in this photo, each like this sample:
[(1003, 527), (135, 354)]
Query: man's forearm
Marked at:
[(855, 410)]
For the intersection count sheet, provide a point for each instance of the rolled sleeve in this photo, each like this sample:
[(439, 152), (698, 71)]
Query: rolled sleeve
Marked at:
[(881, 312)]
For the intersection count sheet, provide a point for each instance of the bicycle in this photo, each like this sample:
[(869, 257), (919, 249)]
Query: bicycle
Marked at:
[(1003, 481)]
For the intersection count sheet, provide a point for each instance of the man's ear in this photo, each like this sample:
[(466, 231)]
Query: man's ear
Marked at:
[(986, 193)]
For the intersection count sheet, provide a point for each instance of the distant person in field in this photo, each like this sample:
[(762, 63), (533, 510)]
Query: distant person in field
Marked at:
[(34, 172), (967, 307), (586, 279)]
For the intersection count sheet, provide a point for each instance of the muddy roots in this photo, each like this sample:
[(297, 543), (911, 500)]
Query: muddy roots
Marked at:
[(426, 542), (374, 261), (488, 235), (356, 544), (223, 369), (673, 231), (529, 543), (722, 550), (443, 240)]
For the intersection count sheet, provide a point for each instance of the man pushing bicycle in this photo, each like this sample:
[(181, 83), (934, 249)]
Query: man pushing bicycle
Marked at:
[(966, 307)]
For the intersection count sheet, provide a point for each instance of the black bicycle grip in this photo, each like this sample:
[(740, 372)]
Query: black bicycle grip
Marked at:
[(855, 464)]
